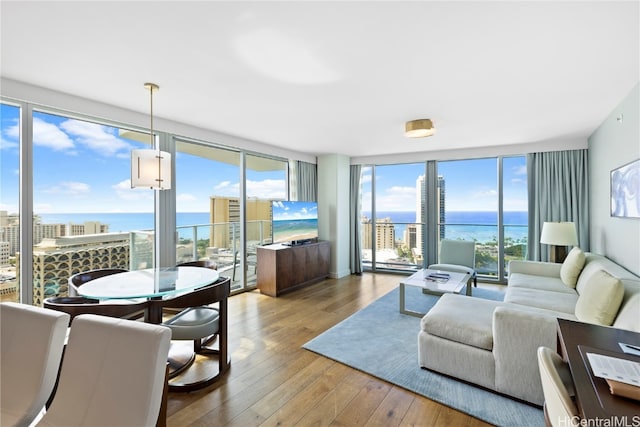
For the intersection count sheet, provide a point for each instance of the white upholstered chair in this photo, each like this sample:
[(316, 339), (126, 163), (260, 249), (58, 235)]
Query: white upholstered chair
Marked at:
[(113, 373), (457, 256), (31, 345), (557, 386)]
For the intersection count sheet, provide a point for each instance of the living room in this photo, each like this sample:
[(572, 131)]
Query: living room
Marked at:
[(589, 101)]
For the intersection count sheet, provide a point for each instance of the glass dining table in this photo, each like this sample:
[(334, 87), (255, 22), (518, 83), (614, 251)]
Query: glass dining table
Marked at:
[(151, 283)]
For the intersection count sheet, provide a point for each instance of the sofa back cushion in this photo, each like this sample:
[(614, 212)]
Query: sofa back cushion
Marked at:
[(572, 266), (600, 298)]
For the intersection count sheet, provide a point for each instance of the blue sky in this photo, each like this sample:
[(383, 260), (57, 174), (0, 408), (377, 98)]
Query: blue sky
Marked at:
[(85, 167), (471, 185)]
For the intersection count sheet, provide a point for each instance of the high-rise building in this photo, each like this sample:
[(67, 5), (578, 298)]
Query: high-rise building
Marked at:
[(224, 214), (4, 253), (385, 234), (10, 230), (410, 236), (421, 210)]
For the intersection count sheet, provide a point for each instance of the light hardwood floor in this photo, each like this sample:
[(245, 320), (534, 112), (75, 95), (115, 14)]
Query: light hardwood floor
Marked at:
[(275, 382)]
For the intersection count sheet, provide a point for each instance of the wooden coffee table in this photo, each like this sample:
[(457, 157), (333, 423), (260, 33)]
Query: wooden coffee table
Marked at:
[(430, 283)]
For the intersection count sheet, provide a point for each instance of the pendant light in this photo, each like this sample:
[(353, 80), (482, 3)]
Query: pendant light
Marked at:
[(151, 168)]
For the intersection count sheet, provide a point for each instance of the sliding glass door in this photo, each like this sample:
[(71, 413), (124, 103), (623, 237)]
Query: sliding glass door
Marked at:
[(220, 215), (482, 200)]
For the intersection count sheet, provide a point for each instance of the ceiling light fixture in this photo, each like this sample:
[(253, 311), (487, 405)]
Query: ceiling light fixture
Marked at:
[(151, 168), (419, 128)]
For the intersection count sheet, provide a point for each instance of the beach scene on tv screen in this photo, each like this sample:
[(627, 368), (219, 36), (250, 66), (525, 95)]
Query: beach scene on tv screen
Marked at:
[(294, 221)]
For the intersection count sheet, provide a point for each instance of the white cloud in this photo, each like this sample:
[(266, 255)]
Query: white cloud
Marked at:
[(69, 188), (520, 170), (223, 185), (5, 144), (11, 208), (98, 138), (43, 208), (125, 192), (267, 189), (397, 198), (49, 135), (485, 193)]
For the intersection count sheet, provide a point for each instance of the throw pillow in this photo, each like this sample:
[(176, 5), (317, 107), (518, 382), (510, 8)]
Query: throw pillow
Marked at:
[(572, 266), (600, 299)]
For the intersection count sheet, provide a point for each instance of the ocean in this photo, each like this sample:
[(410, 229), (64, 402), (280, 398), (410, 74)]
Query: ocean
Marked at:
[(124, 221), (481, 226)]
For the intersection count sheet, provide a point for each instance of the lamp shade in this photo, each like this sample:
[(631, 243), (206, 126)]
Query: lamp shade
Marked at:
[(559, 234), (151, 169), (419, 128)]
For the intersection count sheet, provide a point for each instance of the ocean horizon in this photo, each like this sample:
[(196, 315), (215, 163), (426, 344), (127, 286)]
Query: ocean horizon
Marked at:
[(478, 225)]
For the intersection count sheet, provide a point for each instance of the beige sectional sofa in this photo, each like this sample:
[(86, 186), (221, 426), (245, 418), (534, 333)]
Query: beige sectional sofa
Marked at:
[(493, 344)]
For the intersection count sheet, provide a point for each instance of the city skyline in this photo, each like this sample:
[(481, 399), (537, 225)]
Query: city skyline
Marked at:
[(80, 166)]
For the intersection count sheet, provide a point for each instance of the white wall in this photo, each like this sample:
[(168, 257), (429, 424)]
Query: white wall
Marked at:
[(614, 144), (333, 210)]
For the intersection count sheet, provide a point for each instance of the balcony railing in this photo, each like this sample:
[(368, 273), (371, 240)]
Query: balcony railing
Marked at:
[(397, 249)]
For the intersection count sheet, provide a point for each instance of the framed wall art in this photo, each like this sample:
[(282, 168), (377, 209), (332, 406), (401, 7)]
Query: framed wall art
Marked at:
[(625, 190)]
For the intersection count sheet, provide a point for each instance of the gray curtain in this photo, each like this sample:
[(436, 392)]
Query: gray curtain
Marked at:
[(307, 181), (558, 191), (355, 251)]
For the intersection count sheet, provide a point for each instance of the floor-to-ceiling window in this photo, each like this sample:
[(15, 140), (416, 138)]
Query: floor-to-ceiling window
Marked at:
[(483, 200), (393, 216), (209, 199), (515, 209), (470, 190), (9, 201), (86, 215), (266, 181)]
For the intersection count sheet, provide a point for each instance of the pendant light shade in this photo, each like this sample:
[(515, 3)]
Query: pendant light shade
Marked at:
[(151, 168)]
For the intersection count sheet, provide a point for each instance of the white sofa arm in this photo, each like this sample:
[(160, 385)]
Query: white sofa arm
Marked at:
[(517, 334), (536, 268)]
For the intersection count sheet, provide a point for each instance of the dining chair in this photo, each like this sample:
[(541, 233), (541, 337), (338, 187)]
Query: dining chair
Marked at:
[(113, 373), (557, 387), (31, 346), (79, 279), (202, 324), (205, 263), (457, 256), (75, 306)]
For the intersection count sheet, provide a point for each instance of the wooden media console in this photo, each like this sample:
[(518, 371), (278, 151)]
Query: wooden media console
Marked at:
[(285, 268)]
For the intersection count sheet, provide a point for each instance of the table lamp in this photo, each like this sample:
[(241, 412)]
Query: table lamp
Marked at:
[(559, 235)]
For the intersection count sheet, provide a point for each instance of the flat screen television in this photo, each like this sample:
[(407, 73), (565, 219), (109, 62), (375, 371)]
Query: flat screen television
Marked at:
[(294, 222)]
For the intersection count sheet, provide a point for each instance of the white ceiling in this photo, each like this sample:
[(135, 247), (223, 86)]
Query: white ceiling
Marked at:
[(339, 77)]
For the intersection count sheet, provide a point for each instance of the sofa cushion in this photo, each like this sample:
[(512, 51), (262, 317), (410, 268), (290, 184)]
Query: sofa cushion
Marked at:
[(563, 302), (462, 319), (543, 283), (572, 266), (600, 299)]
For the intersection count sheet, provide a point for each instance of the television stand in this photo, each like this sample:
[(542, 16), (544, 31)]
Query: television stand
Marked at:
[(285, 268)]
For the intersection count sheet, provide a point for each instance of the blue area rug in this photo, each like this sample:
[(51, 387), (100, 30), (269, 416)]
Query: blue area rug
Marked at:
[(382, 342)]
